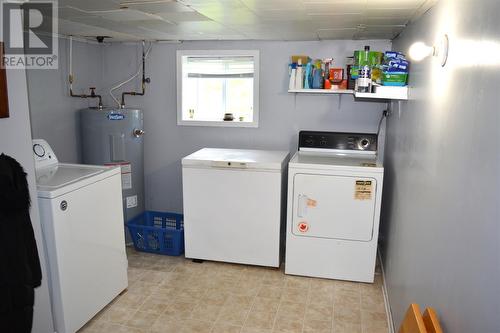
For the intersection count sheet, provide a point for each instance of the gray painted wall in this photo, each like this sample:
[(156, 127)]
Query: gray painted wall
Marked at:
[(15, 140), (441, 204), (282, 115), (54, 114)]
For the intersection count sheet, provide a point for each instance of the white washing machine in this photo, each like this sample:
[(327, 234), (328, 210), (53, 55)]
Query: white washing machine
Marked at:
[(334, 197), (82, 223)]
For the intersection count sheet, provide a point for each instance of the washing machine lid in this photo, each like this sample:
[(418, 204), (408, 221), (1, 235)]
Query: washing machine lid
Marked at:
[(336, 161), (61, 178), (237, 159)]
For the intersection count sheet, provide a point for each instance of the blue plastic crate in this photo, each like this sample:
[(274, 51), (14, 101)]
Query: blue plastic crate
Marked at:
[(158, 232)]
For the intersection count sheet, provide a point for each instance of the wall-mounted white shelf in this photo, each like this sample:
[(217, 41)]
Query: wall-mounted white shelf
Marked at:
[(321, 91), (382, 92), (386, 92)]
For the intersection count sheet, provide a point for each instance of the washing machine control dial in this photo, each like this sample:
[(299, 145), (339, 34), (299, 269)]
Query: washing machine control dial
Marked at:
[(38, 150)]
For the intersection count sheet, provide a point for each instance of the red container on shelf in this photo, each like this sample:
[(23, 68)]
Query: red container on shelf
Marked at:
[(328, 84), (343, 85), (336, 75)]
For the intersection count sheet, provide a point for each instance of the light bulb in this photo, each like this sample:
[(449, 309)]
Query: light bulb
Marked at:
[(418, 51)]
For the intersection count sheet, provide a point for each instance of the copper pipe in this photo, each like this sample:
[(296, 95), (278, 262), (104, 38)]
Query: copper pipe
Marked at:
[(143, 81), (71, 78), (92, 94)]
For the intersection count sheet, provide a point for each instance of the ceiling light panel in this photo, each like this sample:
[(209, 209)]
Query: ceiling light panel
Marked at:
[(155, 34), (71, 12), (334, 8), (394, 12), (160, 7), (377, 32), (142, 2), (302, 36), (126, 27), (71, 28), (257, 29), (90, 5), (129, 27), (273, 4), (246, 19), (178, 17), (336, 33), (401, 21), (328, 22), (337, 2), (206, 2), (127, 15), (205, 27), (282, 15), (395, 3), (235, 16), (157, 26)]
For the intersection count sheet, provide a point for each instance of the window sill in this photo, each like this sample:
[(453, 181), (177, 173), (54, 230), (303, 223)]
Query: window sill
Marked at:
[(218, 123)]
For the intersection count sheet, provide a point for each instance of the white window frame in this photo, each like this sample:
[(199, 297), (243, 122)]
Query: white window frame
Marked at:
[(212, 53)]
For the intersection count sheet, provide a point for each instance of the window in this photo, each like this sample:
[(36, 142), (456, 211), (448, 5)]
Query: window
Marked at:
[(218, 88)]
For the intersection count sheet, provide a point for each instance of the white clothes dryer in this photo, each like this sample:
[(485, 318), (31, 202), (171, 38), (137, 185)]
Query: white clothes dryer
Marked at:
[(334, 199)]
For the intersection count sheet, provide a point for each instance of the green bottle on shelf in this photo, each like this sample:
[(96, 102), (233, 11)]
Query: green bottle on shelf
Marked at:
[(363, 82)]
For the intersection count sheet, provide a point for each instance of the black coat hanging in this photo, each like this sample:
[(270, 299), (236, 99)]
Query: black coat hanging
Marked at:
[(20, 270)]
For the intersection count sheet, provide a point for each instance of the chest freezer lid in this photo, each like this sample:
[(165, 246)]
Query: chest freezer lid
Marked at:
[(62, 178), (237, 158)]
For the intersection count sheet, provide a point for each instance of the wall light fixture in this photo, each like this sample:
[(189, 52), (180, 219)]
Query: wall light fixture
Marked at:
[(419, 50)]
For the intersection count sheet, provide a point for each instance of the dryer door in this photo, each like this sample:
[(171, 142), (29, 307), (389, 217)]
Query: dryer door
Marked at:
[(328, 206)]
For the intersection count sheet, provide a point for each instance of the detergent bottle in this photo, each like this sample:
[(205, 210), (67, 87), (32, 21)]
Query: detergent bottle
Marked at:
[(317, 75)]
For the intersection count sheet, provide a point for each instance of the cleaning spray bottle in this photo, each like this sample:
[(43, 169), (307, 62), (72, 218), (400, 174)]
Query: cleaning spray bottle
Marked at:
[(326, 76), (308, 76), (299, 76), (293, 71)]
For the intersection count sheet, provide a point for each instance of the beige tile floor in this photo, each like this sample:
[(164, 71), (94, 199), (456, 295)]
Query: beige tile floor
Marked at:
[(173, 294)]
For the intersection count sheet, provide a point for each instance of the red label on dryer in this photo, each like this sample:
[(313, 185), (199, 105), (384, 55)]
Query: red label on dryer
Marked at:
[(303, 227)]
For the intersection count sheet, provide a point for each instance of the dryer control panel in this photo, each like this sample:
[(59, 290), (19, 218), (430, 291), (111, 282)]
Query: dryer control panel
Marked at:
[(338, 141)]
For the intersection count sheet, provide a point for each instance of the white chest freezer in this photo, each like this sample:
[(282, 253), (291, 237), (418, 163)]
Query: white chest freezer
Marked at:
[(233, 205)]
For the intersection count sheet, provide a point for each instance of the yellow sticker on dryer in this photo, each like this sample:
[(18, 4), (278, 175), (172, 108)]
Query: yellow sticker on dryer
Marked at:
[(363, 190), (311, 203)]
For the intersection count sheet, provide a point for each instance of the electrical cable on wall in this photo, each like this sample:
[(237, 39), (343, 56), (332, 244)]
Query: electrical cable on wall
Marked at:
[(384, 114), (144, 80)]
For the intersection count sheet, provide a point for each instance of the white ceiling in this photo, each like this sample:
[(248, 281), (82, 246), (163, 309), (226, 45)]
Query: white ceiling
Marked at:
[(129, 20)]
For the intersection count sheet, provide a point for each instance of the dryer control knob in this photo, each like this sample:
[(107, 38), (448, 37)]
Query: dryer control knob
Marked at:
[(363, 143)]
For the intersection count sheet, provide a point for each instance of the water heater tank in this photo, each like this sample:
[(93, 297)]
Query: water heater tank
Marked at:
[(115, 137)]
